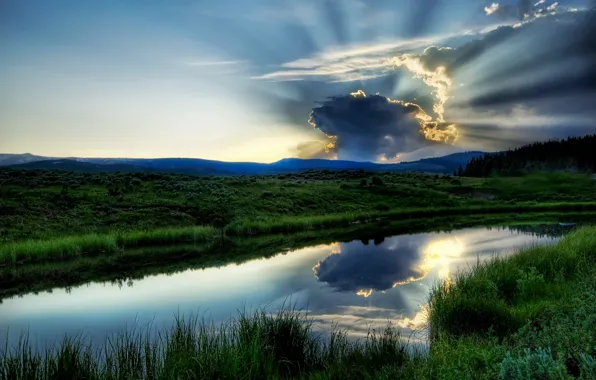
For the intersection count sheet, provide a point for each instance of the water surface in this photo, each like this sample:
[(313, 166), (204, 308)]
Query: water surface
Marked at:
[(356, 285)]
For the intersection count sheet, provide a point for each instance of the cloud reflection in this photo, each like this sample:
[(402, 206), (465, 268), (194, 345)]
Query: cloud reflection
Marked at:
[(362, 269)]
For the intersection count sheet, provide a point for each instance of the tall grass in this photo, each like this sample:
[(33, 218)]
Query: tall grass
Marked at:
[(61, 248), (503, 294), (257, 346), (250, 226)]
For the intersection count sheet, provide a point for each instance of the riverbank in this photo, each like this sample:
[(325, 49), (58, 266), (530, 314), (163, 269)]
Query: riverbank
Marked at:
[(45, 205), (136, 263), (530, 315), (62, 248)]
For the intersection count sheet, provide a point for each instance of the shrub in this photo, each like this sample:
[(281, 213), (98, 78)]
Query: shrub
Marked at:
[(533, 365), (377, 181), (588, 366), (530, 283)]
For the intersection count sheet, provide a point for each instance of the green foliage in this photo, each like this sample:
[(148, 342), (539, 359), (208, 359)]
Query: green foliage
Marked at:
[(63, 248), (377, 181), (588, 366), (257, 346), (532, 365), (34, 205)]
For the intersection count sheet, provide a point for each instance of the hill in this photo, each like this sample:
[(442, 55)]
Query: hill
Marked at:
[(195, 166), (573, 154)]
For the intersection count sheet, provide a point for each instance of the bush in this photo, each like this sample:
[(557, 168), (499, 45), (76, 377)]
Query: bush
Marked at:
[(377, 181), (533, 365), (588, 366)]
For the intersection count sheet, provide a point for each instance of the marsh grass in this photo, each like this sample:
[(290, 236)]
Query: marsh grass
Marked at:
[(251, 226), (63, 248), (491, 322), (503, 294), (251, 346), (134, 263)]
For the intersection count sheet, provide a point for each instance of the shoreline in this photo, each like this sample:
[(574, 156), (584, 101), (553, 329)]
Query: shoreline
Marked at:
[(62, 248)]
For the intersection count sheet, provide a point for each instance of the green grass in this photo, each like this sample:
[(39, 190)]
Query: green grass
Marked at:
[(542, 298), (528, 316), (68, 247), (258, 346), (47, 204), (131, 263)]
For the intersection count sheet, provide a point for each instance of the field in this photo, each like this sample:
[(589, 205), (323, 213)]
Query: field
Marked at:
[(528, 316), (58, 213)]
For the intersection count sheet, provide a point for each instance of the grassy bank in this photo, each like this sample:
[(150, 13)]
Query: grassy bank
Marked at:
[(528, 316), (68, 247), (255, 346), (125, 265), (37, 205)]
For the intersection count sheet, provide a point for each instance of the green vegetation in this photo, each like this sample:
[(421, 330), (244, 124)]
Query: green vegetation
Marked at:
[(528, 316), (126, 265), (258, 346), (573, 153), (106, 207)]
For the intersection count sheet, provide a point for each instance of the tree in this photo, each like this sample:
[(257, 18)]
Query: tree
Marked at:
[(460, 171)]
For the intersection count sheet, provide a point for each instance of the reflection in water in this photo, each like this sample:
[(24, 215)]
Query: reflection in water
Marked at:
[(399, 262), (357, 286)]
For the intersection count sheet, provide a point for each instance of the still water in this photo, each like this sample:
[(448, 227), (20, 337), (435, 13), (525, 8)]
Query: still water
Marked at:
[(355, 285)]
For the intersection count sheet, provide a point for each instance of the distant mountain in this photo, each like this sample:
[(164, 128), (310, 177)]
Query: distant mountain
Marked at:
[(195, 166), (453, 161), (15, 159)]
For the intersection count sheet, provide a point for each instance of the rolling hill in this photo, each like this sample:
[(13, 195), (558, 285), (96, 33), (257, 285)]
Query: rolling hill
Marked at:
[(194, 166)]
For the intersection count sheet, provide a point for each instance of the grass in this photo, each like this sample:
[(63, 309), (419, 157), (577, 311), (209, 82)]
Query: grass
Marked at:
[(130, 264), (258, 346), (528, 316), (541, 301), (37, 204), (68, 247)]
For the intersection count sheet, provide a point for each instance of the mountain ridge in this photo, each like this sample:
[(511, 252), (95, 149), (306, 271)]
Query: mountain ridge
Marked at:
[(197, 166)]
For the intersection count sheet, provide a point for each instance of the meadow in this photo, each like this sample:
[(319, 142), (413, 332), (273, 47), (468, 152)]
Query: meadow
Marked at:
[(527, 316), (54, 215)]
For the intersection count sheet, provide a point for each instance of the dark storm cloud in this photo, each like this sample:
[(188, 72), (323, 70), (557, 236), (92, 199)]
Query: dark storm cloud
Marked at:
[(376, 267), (554, 42), (367, 127)]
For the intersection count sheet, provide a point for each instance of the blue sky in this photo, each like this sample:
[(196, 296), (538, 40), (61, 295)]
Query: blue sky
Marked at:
[(237, 80)]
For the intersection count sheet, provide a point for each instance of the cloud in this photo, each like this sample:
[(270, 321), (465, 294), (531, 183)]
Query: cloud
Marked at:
[(491, 9), (367, 128), (504, 69), (315, 149), (348, 63), (524, 10)]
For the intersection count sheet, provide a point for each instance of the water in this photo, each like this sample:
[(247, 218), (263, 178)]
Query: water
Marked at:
[(356, 285)]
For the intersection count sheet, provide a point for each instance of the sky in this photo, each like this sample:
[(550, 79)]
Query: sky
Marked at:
[(262, 80)]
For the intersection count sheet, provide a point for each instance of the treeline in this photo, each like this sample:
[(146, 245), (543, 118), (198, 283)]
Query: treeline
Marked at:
[(573, 153)]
